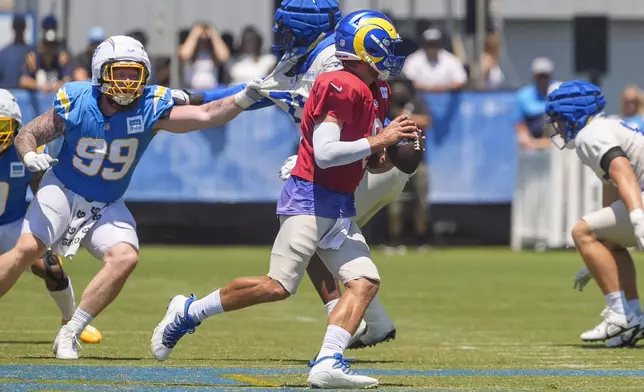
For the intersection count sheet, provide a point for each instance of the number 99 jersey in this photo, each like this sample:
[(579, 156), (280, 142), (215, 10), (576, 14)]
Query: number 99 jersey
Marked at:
[(99, 153)]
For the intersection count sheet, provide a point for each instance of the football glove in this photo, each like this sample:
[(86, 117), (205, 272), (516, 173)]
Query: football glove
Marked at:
[(637, 220), (287, 167), (582, 278), (38, 162)]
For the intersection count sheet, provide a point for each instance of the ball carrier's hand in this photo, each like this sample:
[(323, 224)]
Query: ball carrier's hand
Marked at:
[(399, 128)]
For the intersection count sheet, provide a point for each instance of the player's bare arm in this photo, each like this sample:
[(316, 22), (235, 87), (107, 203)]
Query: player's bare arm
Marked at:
[(40, 131), (184, 119), (621, 172)]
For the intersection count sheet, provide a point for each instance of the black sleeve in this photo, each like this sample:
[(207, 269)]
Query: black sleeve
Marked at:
[(195, 99), (608, 157)]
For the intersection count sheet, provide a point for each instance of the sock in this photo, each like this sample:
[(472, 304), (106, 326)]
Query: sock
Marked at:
[(79, 321), (635, 306), (65, 300), (374, 311), (616, 301), (336, 340), (329, 306), (209, 305)]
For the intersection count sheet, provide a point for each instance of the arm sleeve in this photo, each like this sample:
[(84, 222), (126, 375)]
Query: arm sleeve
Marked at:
[(329, 151), (213, 95)]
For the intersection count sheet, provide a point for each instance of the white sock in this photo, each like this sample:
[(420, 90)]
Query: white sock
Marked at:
[(374, 310), (616, 301), (329, 306), (65, 300), (209, 305), (336, 340), (635, 306), (79, 321)]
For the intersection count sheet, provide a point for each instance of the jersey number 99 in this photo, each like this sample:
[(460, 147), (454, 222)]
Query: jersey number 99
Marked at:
[(91, 154)]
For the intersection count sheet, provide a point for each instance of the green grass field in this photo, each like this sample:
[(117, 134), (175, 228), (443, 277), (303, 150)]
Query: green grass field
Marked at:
[(467, 319)]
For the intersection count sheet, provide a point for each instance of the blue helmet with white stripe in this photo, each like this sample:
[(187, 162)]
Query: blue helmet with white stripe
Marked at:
[(300, 24), (570, 106)]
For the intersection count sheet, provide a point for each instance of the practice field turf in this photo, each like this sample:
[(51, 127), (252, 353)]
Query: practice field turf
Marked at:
[(467, 319)]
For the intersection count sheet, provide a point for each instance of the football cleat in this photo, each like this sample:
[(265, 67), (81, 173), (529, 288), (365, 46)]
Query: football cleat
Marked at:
[(66, 344), (90, 334), (332, 372), (175, 324), (628, 338), (380, 329), (362, 329), (613, 324)]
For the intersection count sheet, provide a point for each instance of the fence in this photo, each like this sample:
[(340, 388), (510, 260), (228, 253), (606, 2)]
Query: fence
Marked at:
[(471, 150)]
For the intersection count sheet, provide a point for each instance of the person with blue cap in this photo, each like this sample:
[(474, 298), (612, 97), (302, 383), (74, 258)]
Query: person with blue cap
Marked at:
[(83, 63), (614, 150)]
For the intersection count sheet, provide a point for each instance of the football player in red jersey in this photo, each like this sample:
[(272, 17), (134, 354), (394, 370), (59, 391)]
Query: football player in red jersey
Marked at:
[(341, 128)]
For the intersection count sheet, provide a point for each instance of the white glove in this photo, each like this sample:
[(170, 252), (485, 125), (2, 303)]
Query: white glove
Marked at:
[(582, 278), (287, 167), (248, 96), (637, 220), (38, 162), (180, 97)]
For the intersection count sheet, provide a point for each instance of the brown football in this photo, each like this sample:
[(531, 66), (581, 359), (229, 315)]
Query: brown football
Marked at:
[(407, 154)]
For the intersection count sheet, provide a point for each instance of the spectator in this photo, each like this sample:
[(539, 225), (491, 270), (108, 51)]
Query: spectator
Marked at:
[(492, 73), (250, 63), (47, 68), (201, 54), (13, 54), (405, 100), (83, 63), (633, 107), (432, 68), (532, 106)]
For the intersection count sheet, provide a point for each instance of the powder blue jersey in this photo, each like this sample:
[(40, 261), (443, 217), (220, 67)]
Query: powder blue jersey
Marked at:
[(14, 180), (99, 153)]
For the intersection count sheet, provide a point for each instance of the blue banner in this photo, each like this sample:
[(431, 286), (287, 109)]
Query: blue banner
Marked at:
[(471, 149)]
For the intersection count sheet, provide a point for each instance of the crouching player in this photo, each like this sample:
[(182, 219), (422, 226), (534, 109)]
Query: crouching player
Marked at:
[(345, 109), (14, 180), (615, 152)]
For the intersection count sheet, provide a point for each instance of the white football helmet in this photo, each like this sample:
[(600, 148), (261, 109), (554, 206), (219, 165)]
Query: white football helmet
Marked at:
[(116, 53), (10, 119)]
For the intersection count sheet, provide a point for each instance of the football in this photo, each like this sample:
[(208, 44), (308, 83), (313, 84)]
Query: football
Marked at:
[(407, 154)]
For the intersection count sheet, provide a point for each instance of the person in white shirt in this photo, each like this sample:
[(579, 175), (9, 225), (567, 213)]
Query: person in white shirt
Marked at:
[(250, 63), (432, 68), (201, 54), (615, 152)]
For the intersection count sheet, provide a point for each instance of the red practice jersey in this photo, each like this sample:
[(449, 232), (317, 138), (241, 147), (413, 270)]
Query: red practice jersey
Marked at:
[(361, 108)]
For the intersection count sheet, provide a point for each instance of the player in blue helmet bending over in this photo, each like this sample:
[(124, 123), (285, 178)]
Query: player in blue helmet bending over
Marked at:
[(306, 44), (14, 181), (106, 125), (615, 152)]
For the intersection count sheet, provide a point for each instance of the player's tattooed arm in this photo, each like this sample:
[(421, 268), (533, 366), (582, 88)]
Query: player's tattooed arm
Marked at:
[(182, 119), (39, 131)]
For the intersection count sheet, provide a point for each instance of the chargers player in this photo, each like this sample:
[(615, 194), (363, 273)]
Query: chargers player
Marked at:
[(305, 34), (340, 131), (615, 152), (14, 181), (106, 125)]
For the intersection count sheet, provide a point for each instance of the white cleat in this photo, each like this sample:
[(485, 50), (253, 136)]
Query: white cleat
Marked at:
[(613, 324), (379, 330), (176, 323), (362, 329), (66, 344), (628, 338), (333, 373)]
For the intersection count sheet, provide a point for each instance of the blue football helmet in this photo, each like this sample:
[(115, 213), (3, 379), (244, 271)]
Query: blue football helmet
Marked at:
[(569, 108), (300, 24), (371, 37)]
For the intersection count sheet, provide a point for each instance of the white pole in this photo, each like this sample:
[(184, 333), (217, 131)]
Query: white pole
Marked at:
[(173, 27), (479, 41)]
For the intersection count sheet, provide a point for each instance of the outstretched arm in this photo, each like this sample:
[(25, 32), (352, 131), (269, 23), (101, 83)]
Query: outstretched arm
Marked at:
[(38, 132), (184, 97), (189, 118)]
